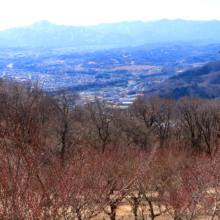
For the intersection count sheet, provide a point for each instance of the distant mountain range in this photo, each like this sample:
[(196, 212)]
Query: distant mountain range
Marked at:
[(46, 34), (201, 82)]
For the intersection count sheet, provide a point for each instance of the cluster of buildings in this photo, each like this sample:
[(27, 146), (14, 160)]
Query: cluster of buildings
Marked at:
[(122, 95), (53, 74)]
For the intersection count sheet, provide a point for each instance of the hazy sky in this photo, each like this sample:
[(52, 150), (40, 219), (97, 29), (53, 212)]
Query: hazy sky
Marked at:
[(15, 13)]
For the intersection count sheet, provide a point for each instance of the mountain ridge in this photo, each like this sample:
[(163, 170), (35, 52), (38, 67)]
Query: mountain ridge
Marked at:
[(44, 33)]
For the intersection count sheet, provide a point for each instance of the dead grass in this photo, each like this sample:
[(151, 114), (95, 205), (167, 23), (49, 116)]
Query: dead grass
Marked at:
[(124, 212)]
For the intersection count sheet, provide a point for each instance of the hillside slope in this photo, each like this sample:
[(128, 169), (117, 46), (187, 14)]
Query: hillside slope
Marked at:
[(202, 82)]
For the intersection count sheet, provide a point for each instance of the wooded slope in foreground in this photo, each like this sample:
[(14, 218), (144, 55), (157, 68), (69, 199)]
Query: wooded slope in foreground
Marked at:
[(62, 161)]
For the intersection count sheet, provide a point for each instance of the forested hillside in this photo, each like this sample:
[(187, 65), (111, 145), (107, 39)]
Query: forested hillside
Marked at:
[(199, 82), (60, 160)]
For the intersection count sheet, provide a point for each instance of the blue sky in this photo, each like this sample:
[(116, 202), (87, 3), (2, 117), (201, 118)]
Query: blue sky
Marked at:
[(16, 13)]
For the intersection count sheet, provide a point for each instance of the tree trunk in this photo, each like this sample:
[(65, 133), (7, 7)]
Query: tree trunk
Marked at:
[(135, 208), (64, 141), (113, 211)]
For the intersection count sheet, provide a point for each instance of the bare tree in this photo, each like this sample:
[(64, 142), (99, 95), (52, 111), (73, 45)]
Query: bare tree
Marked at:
[(64, 103), (155, 117), (103, 129)]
